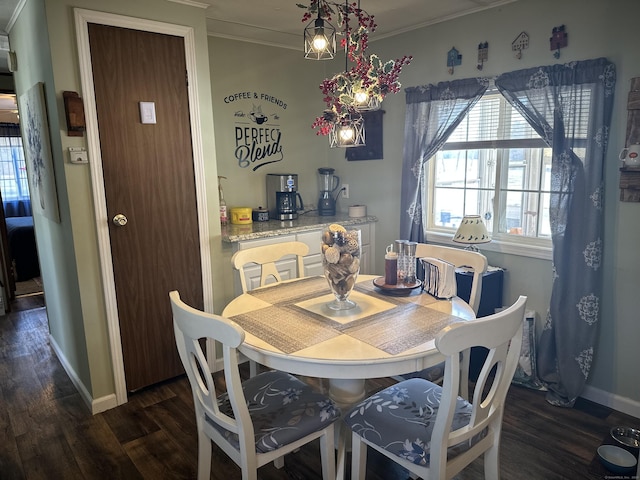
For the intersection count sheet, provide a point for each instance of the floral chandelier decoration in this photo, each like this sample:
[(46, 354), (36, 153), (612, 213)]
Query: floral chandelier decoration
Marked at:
[(359, 88)]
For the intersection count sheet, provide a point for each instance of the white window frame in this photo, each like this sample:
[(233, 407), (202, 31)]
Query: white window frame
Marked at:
[(540, 248)]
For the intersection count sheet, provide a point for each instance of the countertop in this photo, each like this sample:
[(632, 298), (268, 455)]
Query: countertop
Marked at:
[(273, 228)]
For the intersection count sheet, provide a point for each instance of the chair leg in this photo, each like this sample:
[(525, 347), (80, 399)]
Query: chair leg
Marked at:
[(358, 458), (492, 462), (253, 368), (204, 456), (328, 455)]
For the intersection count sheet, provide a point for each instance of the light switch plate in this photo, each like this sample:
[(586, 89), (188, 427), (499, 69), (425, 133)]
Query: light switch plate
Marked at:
[(148, 112), (78, 155)]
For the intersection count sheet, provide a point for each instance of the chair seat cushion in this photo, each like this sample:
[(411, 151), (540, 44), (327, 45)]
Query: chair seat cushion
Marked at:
[(283, 409), (400, 419)]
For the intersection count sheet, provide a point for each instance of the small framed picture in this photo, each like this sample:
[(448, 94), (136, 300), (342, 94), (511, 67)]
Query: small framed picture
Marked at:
[(372, 150)]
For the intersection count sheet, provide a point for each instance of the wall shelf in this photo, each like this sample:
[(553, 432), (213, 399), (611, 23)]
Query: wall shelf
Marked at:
[(630, 184), (630, 176)]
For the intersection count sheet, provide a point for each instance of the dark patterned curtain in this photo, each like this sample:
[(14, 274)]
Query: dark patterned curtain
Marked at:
[(433, 113), (570, 107)]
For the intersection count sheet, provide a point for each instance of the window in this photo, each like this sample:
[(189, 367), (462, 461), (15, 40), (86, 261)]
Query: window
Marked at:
[(494, 165), (13, 173)]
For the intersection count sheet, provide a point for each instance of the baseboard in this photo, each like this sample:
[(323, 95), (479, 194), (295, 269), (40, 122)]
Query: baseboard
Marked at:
[(95, 405), (616, 402)]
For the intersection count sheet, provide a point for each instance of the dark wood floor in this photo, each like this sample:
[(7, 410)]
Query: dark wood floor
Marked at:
[(47, 432)]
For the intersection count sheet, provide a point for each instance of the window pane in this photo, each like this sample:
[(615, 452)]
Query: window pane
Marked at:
[(448, 207), (13, 174)]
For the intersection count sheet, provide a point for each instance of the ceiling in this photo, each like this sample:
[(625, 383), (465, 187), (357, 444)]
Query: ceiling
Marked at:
[(279, 22)]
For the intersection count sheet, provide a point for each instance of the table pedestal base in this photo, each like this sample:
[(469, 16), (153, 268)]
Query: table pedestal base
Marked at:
[(346, 392)]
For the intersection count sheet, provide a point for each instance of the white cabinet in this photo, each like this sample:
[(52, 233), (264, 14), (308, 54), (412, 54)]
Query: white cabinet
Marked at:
[(312, 262)]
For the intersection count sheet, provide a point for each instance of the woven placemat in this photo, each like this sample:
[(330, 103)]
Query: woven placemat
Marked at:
[(287, 328), (282, 293), (399, 329)]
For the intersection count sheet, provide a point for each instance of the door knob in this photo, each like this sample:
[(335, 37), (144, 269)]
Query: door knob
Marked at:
[(120, 220)]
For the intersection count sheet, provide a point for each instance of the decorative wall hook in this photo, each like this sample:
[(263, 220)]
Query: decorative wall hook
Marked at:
[(520, 43), (453, 59), (558, 40), (483, 54)]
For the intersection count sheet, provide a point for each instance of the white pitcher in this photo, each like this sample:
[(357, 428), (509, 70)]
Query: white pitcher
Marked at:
[(631, 155)]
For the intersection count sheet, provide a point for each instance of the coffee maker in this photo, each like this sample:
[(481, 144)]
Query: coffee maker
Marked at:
[(282, 196)]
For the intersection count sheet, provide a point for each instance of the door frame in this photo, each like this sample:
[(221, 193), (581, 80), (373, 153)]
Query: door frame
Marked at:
[(82, 19)]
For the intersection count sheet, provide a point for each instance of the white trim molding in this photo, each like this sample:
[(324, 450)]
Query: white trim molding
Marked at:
[(95, 406), (522, 249), (82, 20), (611, 400)]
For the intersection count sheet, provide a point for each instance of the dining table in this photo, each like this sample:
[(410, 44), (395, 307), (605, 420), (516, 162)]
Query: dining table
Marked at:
[(290, 327)]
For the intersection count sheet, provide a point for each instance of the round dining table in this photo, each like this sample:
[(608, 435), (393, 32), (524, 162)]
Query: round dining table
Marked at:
[(289, 327)]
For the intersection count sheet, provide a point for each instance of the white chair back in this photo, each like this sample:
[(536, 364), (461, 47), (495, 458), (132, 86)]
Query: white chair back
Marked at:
[(190, 325), (266, 256), (501, 334), (459, 258), (243, 431), (440, 447)]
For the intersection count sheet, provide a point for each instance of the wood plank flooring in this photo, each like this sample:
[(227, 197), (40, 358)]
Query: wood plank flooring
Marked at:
[(47, 432)]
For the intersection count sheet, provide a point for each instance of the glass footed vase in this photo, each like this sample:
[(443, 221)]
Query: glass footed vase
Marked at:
[(341, 249)]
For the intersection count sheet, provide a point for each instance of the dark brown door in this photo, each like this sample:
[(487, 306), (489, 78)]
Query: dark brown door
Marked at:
[(149, 179)]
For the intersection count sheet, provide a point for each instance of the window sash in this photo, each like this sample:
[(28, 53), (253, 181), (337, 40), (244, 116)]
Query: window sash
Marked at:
[(499, 191)]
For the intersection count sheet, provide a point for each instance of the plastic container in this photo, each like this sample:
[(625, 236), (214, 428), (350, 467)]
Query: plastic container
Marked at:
[(260, 214), (241, 215), (391, 268)]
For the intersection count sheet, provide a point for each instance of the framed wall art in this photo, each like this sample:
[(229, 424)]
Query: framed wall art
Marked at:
[(372, 150), (37, 153)]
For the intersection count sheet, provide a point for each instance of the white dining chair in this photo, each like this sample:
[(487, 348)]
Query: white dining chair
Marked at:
[(429, 429), (256, 421), (458, 258), (266, 257)]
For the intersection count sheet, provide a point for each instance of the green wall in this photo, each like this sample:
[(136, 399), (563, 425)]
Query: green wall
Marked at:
[(30, 41), (283, 85)]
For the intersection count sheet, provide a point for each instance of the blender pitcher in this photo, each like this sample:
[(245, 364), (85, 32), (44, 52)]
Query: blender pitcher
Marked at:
[(328, 184)]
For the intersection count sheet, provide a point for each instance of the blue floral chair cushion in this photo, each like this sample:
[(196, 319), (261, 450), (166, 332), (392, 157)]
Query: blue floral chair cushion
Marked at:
[(282, 408), (400, 419)]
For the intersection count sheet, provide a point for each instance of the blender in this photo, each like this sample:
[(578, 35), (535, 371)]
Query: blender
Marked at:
[(328, 185)]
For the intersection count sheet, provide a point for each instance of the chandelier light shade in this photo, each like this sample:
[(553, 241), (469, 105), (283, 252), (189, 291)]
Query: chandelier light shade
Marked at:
[(362, 101), (348, 132), (319, 40), (471, 232)]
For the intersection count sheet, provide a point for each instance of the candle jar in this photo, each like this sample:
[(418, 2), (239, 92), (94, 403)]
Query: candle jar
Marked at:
[(341, 262)]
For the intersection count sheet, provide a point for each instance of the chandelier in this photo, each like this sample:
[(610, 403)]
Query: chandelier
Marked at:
[(359, 88)]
